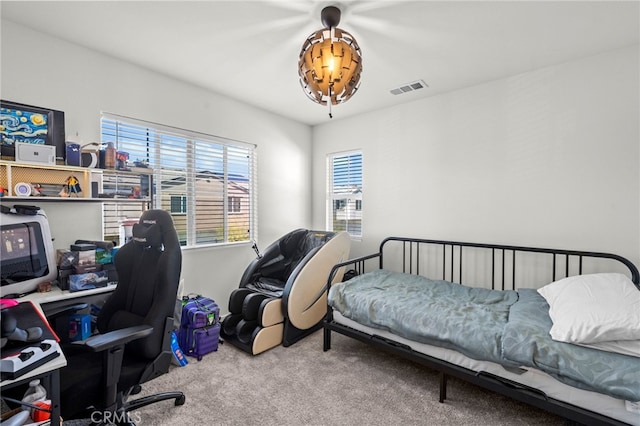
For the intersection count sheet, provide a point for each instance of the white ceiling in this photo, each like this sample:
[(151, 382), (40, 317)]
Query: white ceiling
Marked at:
[(248, 50)]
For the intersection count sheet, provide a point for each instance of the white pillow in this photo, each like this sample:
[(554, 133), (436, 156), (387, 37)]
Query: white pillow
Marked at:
[(593, 308)]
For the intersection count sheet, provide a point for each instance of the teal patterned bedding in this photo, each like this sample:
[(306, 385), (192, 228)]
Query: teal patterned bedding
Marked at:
[(526, 341), (506, 327), (469, 320)]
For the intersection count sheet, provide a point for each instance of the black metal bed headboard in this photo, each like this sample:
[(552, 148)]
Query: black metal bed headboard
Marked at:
[(498, 265)]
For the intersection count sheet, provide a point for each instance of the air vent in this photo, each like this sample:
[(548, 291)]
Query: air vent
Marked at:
[(409, 87)]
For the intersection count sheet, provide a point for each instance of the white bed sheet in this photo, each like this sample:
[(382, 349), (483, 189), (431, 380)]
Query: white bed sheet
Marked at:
[(593, 401)]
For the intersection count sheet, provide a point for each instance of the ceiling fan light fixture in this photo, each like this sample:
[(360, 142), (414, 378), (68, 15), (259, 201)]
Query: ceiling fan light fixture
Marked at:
[(330, 62)]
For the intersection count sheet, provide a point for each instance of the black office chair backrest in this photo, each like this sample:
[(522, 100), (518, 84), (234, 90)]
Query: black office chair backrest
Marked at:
[(148, 270)]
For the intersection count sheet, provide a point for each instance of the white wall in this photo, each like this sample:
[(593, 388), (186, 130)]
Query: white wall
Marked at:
[(547, 158), (48, 72)]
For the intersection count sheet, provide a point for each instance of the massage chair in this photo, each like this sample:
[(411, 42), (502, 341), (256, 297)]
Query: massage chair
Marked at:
[(282, 296)]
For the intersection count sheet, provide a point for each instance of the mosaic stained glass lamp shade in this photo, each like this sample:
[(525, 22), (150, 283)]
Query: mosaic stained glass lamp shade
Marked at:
[(330, 62)]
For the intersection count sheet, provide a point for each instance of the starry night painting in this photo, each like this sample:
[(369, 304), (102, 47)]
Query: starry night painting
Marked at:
[(17, 125), (30, 124)]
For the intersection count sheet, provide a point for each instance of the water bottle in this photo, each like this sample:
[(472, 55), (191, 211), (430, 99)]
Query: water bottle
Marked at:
[(17, 419), (36, 392), (178, 356)]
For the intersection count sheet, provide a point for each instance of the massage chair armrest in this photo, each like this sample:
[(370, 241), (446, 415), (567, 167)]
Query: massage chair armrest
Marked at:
[(115, 338), (270, 312)]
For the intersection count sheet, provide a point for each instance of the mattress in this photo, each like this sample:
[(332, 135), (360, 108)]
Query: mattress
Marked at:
[(612, 407), (506, 327)]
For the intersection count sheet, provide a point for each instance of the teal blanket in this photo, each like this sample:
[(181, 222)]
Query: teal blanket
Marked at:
[(506, 327), (526, 341), (469, 320)]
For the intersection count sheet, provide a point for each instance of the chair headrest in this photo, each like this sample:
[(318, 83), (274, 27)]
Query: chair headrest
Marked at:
[(154, 229), (292, 243), (147, 235)]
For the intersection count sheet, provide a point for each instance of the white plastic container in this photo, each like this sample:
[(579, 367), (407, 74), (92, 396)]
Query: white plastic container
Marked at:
[(126, 230), (36, 392)]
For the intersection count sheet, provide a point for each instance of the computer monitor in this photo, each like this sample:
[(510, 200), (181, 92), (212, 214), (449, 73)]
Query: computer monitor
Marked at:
[(27, 256)]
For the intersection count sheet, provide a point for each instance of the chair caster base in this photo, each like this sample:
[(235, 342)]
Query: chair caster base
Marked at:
[(152, 399), (180, 400)]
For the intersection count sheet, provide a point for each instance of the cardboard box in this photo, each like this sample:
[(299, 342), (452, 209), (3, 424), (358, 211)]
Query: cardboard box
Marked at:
[(79, 327), (87, 257), (103, 256), (79, 282), (83, 247), (85, 269), (84, 254), (63, 278), (66, 259)]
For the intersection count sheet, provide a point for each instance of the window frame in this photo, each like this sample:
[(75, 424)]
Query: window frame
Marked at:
[(333, 199), (232, 165)]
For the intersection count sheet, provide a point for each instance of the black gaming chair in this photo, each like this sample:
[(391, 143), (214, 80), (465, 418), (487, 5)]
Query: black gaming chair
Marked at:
[(282, 295), (135, 325)]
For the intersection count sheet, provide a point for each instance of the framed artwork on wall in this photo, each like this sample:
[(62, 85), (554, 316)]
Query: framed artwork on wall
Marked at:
[(30, 124)]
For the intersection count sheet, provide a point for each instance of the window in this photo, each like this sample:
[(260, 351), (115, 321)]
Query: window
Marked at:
[(199, 178), (235, 204), (344, 201), (178, 204)]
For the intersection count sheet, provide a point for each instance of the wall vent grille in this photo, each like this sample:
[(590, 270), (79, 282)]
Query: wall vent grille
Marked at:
[(409, 87)]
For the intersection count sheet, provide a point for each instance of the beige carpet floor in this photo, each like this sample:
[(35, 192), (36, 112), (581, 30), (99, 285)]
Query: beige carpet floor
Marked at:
[(352, 384)]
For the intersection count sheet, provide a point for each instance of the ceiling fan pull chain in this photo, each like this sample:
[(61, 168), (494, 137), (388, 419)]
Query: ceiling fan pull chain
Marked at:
[(330, 102)]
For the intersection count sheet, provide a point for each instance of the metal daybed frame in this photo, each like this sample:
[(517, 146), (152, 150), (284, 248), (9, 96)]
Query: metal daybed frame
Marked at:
[(504, 262)]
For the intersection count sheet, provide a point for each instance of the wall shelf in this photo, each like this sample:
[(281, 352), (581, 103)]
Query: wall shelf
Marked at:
[(46, 178), (95, 185)]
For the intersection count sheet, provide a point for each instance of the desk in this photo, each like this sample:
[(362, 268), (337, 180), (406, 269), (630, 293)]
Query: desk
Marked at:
[(57, 297), (27, 315), (49, 373)]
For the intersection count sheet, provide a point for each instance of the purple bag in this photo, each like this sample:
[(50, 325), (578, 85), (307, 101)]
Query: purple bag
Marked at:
[(199, 331)]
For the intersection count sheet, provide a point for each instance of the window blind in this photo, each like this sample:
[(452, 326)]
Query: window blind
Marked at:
[(195, 178), (344, 199)]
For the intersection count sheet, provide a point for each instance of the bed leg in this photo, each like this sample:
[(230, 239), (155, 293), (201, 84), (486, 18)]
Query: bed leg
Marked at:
[(443, 387), (327, 339)]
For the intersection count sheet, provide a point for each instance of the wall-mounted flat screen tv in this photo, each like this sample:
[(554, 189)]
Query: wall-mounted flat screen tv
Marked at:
[(30, 124)]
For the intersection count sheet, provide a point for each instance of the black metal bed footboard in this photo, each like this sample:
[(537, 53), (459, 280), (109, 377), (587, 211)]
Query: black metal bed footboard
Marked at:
[(482, 265)]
